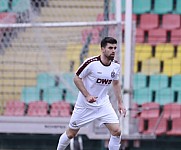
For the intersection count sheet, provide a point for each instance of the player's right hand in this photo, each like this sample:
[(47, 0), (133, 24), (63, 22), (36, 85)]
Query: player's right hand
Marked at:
[(91, 99)]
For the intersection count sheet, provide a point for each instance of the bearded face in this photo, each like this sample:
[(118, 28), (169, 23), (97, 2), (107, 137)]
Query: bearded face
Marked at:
[(109, 51)]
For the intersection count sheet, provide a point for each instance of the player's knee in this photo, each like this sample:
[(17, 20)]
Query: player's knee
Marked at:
[(71, 134), (116, 132)]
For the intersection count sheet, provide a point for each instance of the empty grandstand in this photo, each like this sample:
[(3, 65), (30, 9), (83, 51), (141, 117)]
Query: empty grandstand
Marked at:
[(42, 43)]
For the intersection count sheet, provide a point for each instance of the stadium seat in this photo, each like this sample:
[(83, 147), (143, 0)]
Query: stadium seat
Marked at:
[(123, 6), (176, 82), (60, 109), (175, 37), (8, 17), (179, 51), (45, 80), (179, 97), (139, 81), (149, 21), (156, 36), (38, 108), (158, 81), (177, 7), (4, 6), (134, 110), (156, 126), (52, 94), (171, 111), (94, 32), (30, 93), (163, 6), (21, 5), (141, 6), (142, 95), (141, 125), (164, 96), (172, 66), (150, 110), (164, 51), (143, 52), (14, 108), (176, 127), (171, 21), (140, 35), (150, 66)]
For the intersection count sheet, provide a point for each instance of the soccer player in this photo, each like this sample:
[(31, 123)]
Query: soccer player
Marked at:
[(93, 79)]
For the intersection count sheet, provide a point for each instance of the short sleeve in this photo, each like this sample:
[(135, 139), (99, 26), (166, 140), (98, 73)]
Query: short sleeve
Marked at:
[(83, 70)]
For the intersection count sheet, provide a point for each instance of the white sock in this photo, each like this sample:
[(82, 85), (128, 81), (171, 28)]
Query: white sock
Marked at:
[(63, 142), (114, 142)]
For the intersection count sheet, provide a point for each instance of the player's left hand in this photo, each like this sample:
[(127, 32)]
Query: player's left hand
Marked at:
[(122, 109)]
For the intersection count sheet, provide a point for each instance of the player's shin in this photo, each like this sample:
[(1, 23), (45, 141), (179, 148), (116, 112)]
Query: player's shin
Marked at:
[(114, 142), (63, 142)]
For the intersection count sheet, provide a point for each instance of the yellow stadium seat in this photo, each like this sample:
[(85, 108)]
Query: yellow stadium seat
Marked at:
[(172, 66), (94, 50), (164, 51), (179, 51), (143, 52), (151, 66)]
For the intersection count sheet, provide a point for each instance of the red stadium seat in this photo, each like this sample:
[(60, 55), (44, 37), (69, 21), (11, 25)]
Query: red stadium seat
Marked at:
[(176, 36), (14, 108), (95, 35), (140, 35), (7, 17), (156, 126), (156, 36), (37, 108), (141, 125), (150, 110), (149, 21), (172, 110), (61, 109), (176, 127), (171, 21)]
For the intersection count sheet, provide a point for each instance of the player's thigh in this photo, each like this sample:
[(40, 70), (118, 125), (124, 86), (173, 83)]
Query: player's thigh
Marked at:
[(114, 128)]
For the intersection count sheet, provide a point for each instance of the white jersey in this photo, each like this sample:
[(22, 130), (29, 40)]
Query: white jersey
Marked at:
[(97, 79)]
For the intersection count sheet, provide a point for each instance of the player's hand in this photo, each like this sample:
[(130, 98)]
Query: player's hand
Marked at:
[(122, 109), (91, 99)]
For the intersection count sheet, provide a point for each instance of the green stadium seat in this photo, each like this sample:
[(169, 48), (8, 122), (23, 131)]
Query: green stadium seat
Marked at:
[(45, 80), (176, 82), (113, 7), (164, 96), (141, 6), (178, 7), (68, 85), (158, 81), (139, 81), (179, 97), (163, 6), (21, 5), (142, 95), (52, 94), (30, 94), (4, 5)]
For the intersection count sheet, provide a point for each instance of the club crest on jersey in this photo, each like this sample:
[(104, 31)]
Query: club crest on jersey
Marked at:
[(113, 74)]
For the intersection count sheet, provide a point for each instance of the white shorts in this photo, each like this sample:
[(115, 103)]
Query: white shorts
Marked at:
[(82, 116)]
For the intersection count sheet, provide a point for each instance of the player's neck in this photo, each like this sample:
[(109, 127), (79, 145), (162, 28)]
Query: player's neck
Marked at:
[(105, 60)]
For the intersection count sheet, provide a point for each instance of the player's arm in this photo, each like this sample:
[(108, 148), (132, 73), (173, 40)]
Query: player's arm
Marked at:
[(78, 82), (117, 91)]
